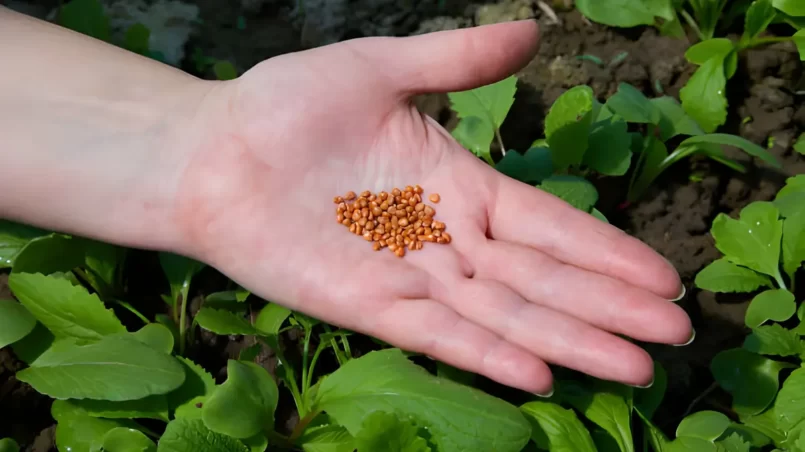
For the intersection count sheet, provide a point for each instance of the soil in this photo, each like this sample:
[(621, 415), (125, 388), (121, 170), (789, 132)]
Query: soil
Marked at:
[(674, 217)]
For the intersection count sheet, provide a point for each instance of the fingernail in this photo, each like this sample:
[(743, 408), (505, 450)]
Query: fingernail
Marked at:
[(545, 396), (681, 295), (690, 341), (651, 383)]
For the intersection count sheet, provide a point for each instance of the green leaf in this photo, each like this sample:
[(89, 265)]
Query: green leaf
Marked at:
[(567, 126), (77, 431), (137, 39), (191, 435), (30, 347), (761, 426), (673, 119), (13, 238), (490, 103), (794, 242), (103, 261), (597, 214), (151, 407), (606, 405), (455, 374), (577, 191), (703, 97), (9, 445), (224, 70), (458, 417), (789, 407), (799, 146), (750, 378), (121, 439), (626, 13), (224, 322), (85, 16), (609, 152), (724, 276), (15, 322), (648, 400), (734, 443), (752, 241), (774, 304), (734, 141), (773, 340), (156, 336), (115, 368), (256, 443), (270, 319), (66, 310), (533, 167), (652, 166), (244, 404), (180, 271), (51, 254), (197, 383), (791, 7), (327, 438), (706, 424), (476, 135), (557, 429), (633, 106), (688, 444), (799, 41), (386, 432), (759, 16)]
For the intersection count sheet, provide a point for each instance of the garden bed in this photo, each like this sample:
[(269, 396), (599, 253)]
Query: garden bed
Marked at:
[(674, 216)]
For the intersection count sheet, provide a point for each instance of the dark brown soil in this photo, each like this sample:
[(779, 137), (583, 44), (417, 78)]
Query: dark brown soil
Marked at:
[(674, 217)]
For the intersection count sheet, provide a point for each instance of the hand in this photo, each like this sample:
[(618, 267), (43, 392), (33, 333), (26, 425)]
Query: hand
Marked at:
[(527, 279)]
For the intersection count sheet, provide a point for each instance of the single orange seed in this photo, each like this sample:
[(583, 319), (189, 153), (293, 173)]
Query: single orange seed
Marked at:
[(434, 198)]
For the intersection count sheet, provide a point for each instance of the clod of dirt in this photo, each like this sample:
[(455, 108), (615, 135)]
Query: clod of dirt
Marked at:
[(504, 11)]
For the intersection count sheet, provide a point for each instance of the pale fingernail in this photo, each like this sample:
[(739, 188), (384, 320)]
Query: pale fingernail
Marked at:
[(546, 395), (651, 383), (681, 295), (690, 341)]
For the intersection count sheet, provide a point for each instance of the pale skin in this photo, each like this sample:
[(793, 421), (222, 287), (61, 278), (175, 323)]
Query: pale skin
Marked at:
[(241, 175)]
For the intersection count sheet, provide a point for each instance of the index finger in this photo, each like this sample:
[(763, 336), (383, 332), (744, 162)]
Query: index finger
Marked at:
[(520, 213)]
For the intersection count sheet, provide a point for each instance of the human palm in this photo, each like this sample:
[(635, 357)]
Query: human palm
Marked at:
[(527, 279)]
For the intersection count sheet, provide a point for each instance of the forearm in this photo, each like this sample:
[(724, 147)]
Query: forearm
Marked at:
[(92, 137)]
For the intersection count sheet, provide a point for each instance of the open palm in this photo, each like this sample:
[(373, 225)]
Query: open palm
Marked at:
[(527, 280)]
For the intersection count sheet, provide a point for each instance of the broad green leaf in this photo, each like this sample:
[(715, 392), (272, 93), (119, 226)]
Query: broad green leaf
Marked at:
[(567, 126), (151, 407), (66, 310), (455, 374), (759, 16), (533, 167), (648, 400), (197, 383), (122, 439), (759, 426), (231, 300), (557, 429), (789, 407), (51, 254), (490, 103), (244, 404), (168, 322), (688, 444), (791, 7), (191, 435), (9, 445), (747, 434), (794, 242), (103, 261), (224, 70), (15, 322), (733, 443), (752, 241), (704, 51), (458, 417), (734, 141), (793, 186), (30, 347), (223, 322), (85, 16), (704, 98), (799, 41), (799, 146), (137, 39), (576, 191), (256, 443), (327, 438), (13, 238), (750, 378), (626, 13), (609, 152), (673, 119), (773, 304), (179, 270), (607, 406), (598, 214), (476, 135), (633, 106), (706, 424), (722, 275), (773, 340), (387, 432), (115, 368), (77, 431), (156, 336), (270, 319)]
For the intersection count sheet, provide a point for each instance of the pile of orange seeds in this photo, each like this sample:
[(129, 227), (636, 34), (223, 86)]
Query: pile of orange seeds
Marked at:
[(396, 220)]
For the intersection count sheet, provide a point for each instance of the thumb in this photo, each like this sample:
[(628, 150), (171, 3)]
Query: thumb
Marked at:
[(455, 60)]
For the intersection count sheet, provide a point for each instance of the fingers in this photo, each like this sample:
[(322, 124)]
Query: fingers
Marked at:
[(429, 327), (453, 60), (550, 335), (521, 214), (599, 300)]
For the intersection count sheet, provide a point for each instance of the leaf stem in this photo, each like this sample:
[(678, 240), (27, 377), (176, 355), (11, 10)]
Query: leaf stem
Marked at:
[(131, 309), (183, 314), (779, 279), (301, 426), (692, 22), (307, 383), (305, 370), (500, 141), (336, 349), (763, 41)]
